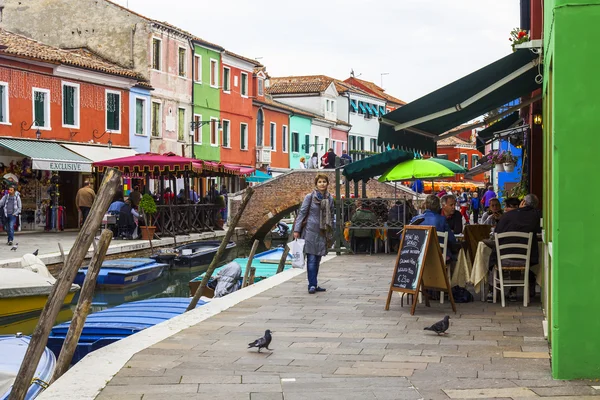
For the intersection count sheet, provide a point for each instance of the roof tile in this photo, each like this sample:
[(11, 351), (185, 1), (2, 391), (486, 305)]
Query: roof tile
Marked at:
[(20, 46)]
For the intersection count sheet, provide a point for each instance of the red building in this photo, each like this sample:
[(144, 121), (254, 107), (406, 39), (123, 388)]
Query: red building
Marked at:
[(462, 151), (51, 99), (237, 113)]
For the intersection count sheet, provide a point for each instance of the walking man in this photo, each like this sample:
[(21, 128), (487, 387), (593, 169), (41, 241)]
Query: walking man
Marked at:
[(12, 208), (84, 200)]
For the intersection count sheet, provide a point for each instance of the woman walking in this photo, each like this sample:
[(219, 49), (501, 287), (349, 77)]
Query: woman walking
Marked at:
[(314, 224), (313, 162)]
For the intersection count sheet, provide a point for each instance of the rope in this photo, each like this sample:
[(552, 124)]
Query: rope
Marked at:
[(43, 384)]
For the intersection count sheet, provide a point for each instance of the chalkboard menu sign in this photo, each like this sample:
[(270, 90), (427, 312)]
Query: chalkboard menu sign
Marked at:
[(410, 259)]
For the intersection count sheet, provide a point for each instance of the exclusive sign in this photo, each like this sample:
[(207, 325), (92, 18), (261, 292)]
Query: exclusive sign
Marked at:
[(73, 166)]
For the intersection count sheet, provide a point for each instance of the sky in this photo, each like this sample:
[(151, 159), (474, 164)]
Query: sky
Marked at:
[(420, 45)]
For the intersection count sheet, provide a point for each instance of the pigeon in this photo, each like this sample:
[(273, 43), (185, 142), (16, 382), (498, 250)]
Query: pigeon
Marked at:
[(439, 327), (15, 247), (264, 341), (35, 253)]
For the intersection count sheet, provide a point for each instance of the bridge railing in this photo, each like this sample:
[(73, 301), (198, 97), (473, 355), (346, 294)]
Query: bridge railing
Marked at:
[(181, 219)]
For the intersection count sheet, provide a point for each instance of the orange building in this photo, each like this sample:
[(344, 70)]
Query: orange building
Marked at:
[(460, 151)]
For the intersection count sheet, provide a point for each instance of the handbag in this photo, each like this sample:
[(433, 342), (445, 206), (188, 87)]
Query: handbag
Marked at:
[(303, 224)]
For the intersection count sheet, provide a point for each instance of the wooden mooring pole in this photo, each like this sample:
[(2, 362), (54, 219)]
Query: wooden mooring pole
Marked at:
[(222, 247), (281, 265), (83, 306), (249, 263), (112, 179)]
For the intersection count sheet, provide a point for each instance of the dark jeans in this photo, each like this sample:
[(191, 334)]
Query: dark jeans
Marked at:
[(85, 211), (10, 227), (312, 269), (476, 216)]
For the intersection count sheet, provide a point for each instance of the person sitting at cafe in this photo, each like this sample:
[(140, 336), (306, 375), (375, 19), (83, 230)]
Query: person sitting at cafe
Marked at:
[(117, 204), (363, 217), (525, 219), (493, 214), (449, 211), (432, 217), (128, 217)]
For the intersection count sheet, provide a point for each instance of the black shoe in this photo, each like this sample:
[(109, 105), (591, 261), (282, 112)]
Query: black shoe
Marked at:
[(312, 290), (512, 297), (10, 243), (320, 289)]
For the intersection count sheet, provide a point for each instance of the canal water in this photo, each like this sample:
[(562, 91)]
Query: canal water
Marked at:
[(173, 283)]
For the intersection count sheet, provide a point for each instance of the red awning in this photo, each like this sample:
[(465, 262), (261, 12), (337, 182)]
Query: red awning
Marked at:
[(246, 171), (148, 162)]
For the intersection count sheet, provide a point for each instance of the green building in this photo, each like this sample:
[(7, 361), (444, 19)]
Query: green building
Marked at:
[(300, 127), (571, 143), (206, 100)]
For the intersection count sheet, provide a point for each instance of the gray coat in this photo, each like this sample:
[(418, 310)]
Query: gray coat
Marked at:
[(315, 242)]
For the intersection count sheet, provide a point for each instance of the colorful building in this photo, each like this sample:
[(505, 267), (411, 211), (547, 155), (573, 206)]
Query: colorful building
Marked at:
[(300, 128), (236, 110), (207, 100), (140, 101), (461, 151), (392, 102)]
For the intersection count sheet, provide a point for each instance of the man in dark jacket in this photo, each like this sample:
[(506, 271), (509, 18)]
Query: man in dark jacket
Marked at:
[(449, 211), (330, 159)]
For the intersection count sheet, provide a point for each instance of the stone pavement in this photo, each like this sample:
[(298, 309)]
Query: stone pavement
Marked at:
[(342, 344)]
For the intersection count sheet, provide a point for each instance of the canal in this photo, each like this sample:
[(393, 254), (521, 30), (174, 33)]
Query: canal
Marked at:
[(172, 283)]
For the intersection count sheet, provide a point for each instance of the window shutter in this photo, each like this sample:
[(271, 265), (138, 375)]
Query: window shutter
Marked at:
[(113, 105), (139, 116), (39, 108), (69, 105), (2, 105)]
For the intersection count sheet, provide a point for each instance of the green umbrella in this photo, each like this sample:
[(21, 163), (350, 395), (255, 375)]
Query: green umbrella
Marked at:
[(452, 166), (416, 169)]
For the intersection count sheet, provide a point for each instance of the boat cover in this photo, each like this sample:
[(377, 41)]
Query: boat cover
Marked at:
[(17, 282), (13, 351), (34, 264), (228, 279)]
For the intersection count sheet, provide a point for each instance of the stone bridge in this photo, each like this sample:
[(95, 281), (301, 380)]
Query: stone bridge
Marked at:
[(277, 197)]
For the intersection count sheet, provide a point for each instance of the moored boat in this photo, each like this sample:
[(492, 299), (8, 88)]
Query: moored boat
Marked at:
[(113, 324), (266, 264), (192, 254), (13, 348), (24, 292), (124, 273)]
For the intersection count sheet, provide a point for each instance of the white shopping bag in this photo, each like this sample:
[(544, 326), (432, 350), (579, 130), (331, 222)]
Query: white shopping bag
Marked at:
[(297, 253)]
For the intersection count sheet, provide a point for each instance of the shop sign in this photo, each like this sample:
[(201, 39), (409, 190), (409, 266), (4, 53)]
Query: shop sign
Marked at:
[(72, 166)]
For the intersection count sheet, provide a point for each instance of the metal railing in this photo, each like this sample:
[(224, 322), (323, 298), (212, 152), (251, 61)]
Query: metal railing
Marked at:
[(180, 219)]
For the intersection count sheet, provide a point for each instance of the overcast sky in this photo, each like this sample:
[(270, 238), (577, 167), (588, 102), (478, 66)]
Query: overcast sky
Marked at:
[(422, 44)]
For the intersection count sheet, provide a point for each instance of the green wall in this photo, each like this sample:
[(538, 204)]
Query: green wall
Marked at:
[(207, 103), (302, 125), (572, 90)]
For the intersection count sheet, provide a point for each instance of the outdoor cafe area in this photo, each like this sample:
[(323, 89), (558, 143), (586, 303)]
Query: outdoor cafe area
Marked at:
[(164, 177)]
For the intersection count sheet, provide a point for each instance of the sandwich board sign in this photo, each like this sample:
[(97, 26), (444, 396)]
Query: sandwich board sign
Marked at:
[(419, 265)]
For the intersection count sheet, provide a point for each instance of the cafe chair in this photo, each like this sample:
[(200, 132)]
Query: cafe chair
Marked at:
[(513, 255), (444, 248)]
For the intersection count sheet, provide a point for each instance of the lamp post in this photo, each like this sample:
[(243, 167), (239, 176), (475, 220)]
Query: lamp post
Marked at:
[(38, 133), (198, 125), (95, 135)]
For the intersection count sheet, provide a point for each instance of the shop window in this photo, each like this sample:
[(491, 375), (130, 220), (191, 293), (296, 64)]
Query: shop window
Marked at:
[(113, 111)]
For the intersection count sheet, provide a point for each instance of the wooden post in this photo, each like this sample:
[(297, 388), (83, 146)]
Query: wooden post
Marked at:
[(83, 306), (112, 180), (217, 257), (62, 254), (249, 263), (286, 251), (252, 274)]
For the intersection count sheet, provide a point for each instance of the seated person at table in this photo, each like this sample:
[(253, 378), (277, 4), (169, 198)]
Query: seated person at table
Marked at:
[(363, 217), (493, 214), (524, 219), (115, 206), (127, 220), (432, 217), (512, 203), (453, 218)]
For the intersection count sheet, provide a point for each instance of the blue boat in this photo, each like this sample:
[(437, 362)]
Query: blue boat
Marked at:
[(113, 324), (266, 264), (124, 273), (13, 350)]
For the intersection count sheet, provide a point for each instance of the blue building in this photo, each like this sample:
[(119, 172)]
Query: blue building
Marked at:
[(139, 118)]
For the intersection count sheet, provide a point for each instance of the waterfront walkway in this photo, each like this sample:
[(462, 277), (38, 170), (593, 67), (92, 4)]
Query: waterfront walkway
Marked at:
[(47, 244), (342, 344)]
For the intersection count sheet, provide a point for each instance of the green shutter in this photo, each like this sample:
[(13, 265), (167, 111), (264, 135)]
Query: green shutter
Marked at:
[(39, 108), (68, 105), (243, 137), (139, 116), (2, 105), (113, 110), (307, 144)]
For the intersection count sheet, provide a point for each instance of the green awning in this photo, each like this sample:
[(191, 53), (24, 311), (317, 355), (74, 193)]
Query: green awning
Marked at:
[(362, 107), (369, 109), (353, 104), (452, 166), (488, 133), (461, 101), (382, 110), (375, 165), (47, 155)]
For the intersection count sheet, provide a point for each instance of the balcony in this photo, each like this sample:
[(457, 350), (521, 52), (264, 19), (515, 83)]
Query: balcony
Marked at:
[(263, 154)]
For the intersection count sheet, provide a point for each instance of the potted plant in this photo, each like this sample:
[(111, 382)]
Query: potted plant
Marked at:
[(148, 208), (518, 36), (498, 160), (509, 161)]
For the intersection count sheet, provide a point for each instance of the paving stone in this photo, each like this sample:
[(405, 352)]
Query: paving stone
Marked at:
[(260, 378), (489, 393), (399, 365), (105, 396), (239, 388), (412, 359), (201, 378), (516, 354), (266, 396), (144, 380), (149, 389), (567, 391), (373, 371)]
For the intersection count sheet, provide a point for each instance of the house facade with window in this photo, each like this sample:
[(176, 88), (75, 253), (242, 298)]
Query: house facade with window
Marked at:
[(362, 111), (208, 72), (140, 102), (392, 102), (300, 131), (236, 110), (462, 150)]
